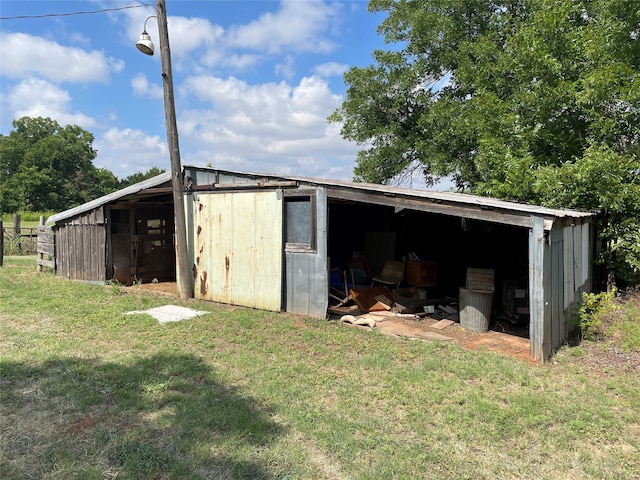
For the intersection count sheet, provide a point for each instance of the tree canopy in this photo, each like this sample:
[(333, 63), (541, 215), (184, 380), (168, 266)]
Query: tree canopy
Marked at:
[(525, 100), (47, 167)]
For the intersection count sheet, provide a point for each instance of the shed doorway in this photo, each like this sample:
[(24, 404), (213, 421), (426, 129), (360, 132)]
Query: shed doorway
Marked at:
[(449, 245), (141, 244)]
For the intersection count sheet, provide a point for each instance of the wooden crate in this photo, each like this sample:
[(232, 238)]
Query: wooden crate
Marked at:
[(420, 274), (480, 279)]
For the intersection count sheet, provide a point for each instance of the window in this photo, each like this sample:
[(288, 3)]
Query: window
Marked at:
[(300, 220)]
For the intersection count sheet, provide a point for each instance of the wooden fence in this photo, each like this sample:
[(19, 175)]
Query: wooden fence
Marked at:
[(40, 240), (46, 247), (20, 242)]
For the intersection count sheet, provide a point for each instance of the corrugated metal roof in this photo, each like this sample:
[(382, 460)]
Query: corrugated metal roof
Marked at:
[(462, 199), (373, 192), (130, 190)]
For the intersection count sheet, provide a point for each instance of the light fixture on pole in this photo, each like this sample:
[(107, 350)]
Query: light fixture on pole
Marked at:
[(145, 45), (184, 273)]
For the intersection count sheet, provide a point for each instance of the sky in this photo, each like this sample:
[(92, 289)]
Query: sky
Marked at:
[(254, 81)]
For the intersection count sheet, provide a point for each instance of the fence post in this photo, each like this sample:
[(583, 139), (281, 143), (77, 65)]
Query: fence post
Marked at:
[(16, 230), (1, 243), (40, 255)]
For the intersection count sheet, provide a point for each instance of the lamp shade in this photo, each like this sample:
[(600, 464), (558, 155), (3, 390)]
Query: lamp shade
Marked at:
[(145, 45)]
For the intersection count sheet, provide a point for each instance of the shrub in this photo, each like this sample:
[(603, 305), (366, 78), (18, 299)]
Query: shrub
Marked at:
[(626, 330), (594, 308)]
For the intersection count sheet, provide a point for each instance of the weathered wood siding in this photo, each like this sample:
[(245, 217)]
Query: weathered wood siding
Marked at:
[(561, 269), (306, 284), (238, 249), (81, 247), (46, 247)]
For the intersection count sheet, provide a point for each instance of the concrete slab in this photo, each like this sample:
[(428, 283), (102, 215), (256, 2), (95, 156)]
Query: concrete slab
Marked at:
[(170, 313)]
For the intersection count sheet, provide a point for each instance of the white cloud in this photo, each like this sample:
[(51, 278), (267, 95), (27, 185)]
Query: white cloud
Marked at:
[(22, 55), (188, 34), (141, 87), (129, 151), (39, 98), (273, 127), (330, 69), (286, 68), (296, 26), (185, 34)]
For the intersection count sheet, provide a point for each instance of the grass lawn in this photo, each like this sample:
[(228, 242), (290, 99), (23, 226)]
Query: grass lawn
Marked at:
[(90, 393)]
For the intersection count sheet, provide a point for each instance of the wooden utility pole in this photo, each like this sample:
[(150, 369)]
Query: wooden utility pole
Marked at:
[(184, 272)]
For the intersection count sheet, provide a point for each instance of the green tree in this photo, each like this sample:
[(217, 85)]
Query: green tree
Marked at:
[(44, 167), (139, 177), (527, 100)]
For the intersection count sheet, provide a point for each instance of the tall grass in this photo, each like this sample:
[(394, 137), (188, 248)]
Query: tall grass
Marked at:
[(89, 392)]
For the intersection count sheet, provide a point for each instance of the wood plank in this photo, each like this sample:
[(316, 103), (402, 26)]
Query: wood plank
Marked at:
[(442, 324), (46, 248), (46, 263)]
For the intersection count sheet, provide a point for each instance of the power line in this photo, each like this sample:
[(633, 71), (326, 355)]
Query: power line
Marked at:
[(22, 17)]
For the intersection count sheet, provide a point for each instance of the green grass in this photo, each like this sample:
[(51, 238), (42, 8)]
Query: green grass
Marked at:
[(90, 393), (27, 219)]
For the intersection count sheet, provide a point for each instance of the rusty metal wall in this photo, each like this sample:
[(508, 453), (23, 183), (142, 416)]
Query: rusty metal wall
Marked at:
[(81, 247), (238, 249)]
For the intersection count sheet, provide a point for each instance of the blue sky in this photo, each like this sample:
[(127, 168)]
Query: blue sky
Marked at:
[(254, 81)]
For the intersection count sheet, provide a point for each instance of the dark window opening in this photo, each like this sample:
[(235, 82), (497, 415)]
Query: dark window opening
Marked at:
[(300, 223)]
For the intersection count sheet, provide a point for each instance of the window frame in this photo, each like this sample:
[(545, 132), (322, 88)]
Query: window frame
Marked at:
[(301, 247)]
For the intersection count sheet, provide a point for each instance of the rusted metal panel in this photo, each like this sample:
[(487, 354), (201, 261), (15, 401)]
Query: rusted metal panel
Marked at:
[(238, 248)]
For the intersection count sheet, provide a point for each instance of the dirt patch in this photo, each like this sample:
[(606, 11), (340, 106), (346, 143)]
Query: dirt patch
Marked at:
[(601, 356), (167, 288), (426, 328)]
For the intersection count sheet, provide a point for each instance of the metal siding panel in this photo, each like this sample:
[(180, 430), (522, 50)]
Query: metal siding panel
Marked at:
[(212, 242), (585, 259), (319, 293), (306, 273), (238, 241), (243, 268), (298, 285), (577, 257), (548, 286), (189, 203), (258, 240), (539, 325), (556, 290), (567, 264), (288, 284)]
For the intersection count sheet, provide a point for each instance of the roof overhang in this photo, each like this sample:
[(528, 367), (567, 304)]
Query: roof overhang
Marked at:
[(131, 191)]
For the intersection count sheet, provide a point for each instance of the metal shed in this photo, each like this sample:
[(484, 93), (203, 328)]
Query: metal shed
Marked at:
[(269, 241), (126, 235)]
